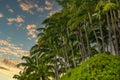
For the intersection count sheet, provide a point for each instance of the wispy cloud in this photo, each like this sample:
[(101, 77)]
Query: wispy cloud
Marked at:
[(9, 48), (48, 8), (53, 12), (18, 19), (38, 8), (9, 38), (1, 15), (49, 5), (9, 9), (31, 30), (28, 6)]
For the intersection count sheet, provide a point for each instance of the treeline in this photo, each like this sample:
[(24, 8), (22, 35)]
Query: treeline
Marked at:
[(80, 30)]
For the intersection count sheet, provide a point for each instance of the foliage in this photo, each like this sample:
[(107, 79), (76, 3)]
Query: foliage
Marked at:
[(82, 29), (99, 67)]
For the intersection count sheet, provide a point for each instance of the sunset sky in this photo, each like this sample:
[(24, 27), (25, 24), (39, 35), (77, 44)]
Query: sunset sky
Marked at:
[(19, 20)]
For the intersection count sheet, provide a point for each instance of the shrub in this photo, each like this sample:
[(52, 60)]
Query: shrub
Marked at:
[(98, 67)]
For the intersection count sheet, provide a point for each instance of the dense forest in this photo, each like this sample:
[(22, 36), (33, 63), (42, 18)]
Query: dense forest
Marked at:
[(70, 37)]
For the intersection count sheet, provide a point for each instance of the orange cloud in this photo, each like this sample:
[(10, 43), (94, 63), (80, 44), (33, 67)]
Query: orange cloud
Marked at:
[(25, 6), (9, 48), (1, 15), (31, 30), (28, 6), (18, 19), (49, 5), (31, 26)]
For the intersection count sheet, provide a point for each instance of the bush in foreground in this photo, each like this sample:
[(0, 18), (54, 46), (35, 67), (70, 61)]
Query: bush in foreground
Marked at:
[(99, 67)]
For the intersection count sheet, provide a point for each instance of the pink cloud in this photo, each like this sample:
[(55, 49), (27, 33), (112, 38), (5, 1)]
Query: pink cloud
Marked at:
[(9, 48), (31, 30), (18, 19), (1, 15), (49, 5), (28, 6)]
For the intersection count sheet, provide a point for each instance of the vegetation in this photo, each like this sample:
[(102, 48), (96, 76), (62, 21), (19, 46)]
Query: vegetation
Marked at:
[(80, 30), (99, 67)]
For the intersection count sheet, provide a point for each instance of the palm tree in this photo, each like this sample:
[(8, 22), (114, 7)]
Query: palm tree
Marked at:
[(80, 30)]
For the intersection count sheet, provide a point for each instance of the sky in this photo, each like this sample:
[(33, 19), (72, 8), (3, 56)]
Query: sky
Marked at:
[(19, 20)]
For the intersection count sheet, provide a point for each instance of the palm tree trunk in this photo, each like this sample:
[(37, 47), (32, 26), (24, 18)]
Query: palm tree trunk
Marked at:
[(71, 46), (101, 32), (110, 33), (88, 42), (92, 27), (82, 42), (66, 54), (116, 30), (79, 46), (56, 63), (65, 65), (56, 69), (113, 25)]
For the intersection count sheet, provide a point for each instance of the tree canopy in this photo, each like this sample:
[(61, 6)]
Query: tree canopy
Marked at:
[(82, 29)]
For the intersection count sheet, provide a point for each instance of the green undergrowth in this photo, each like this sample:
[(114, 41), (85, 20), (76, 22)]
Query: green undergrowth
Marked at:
[(98, 67)]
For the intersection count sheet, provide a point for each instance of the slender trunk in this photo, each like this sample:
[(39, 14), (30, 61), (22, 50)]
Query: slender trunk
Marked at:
[(101, 32), (79, 46), (114, 31), (56, 69), (61, 70), (82, 42), (66, 54), (71, 46), (117, 32), (65, 65), (88, 42), (110, 33), (92, 27), (56, 63)]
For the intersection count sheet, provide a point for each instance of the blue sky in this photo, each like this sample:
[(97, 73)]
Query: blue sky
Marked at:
[(19, 20)]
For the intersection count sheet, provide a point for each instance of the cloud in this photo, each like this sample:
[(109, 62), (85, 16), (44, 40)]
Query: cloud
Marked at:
[(49, 5), (48, 8), (28, 6), (29, 38), (1, 15), (53, 12), (10, 9), (9, 48), (21, 44), (9, 38), (18, 19), (31, 30)]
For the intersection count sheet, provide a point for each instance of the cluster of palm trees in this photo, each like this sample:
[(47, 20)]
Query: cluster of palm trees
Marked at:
[(80, 30)]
